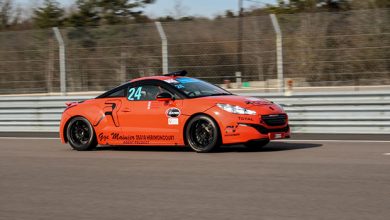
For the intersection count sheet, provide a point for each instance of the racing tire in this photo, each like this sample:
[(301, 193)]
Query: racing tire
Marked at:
[(256, 145), (80, 134), (202, 134)]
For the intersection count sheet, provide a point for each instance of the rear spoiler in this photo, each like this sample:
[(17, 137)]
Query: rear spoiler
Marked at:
[(177, 73), (71, 104)]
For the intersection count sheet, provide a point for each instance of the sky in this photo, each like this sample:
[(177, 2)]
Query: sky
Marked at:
[(207, 8)]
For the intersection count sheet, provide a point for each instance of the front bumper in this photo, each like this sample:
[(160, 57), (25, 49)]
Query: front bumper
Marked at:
[(241, 129)]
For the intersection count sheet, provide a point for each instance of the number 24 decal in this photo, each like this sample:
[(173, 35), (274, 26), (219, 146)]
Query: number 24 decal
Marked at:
[(135, 93)]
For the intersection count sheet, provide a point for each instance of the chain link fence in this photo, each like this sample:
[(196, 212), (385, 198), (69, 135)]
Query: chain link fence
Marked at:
[(319, 49)]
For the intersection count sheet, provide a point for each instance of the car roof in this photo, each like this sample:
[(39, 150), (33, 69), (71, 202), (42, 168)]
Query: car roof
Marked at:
[(139, 80), (155, 78)]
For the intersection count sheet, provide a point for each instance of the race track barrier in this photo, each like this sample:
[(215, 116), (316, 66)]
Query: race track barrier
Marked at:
[(350, 113)]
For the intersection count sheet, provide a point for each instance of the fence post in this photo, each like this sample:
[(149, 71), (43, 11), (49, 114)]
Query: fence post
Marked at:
[(61, 46), (50, 66), (238, 80), (279, 52), (164, 46)]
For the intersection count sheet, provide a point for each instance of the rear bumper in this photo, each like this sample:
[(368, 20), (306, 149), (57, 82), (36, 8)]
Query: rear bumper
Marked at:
[(64, 118)]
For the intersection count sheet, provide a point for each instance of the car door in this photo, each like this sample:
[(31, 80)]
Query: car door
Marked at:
[(147, 121), (108, 124)]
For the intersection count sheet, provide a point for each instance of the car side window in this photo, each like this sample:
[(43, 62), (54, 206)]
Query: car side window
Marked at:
[(119, 93), (144, 92)]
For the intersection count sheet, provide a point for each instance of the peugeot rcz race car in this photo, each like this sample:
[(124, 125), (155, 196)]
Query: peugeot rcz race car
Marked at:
[(172, 110)]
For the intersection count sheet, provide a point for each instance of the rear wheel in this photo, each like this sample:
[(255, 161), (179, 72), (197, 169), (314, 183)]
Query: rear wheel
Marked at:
[(202, 134), (257, 144), (80, 134)]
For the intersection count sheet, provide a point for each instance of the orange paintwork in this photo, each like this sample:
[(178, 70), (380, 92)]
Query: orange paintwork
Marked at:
[(147, 123)]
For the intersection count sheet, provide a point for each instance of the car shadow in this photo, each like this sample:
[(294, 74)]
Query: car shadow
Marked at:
[(144, 148), (271, 147)]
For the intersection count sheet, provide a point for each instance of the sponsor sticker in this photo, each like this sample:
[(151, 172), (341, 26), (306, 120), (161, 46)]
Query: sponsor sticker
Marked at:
[(173, 121), (171, 81), (256, 101), (134, 139), (231, 129), (243, 118), (186, 80), (173, 112)]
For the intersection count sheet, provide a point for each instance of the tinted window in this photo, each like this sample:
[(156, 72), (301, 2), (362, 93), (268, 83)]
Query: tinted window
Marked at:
[(144, 92), (196, 88), (119, 93)]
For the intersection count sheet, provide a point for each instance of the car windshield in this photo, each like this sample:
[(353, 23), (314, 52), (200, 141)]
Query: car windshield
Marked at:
[(196, 88)]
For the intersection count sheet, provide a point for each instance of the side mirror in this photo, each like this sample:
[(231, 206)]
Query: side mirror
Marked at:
[(164, 97)]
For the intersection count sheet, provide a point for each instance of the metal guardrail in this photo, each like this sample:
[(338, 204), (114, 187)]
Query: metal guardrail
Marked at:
[(363, 113)]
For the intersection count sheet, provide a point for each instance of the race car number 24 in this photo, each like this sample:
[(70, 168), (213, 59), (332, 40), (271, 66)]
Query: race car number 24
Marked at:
[(135, 93)]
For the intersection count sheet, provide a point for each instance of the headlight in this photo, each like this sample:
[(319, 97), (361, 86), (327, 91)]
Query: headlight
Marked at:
[(236, 109)]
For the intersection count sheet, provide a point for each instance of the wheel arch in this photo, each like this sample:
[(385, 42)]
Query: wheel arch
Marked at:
[(65, 128), (197, 114)]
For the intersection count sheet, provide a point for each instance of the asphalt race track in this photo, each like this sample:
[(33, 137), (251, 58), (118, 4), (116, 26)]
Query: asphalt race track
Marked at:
[(294, 179)]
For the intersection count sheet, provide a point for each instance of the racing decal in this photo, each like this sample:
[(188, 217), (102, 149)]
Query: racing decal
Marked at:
[(187, 80), (179, 86), (149, 103), (256, 101), (173, 112), (111, 109), (173, 121), (230, 130), (232, 135), (172, 81), (243, 118), (134, 139), (135, 93)]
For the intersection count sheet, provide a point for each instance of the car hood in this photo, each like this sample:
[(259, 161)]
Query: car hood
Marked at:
[(262, 106), (242, 101)]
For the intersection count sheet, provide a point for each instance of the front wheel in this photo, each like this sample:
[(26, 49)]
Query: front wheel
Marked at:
[(80, 134), (202, 134)]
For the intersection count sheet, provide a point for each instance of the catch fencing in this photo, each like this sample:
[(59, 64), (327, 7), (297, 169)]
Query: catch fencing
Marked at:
[(363, 113), (349, 48)]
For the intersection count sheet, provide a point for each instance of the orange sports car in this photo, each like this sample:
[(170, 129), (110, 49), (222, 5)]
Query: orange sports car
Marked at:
[(172, 110)]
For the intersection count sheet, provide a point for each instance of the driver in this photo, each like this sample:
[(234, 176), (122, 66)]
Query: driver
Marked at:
[(152, 92)]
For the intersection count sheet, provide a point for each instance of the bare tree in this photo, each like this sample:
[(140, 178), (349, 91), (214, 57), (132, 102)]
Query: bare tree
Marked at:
[(179, 10), (5, 13)]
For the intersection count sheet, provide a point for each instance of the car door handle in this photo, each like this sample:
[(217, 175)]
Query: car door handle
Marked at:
[(126, 110)]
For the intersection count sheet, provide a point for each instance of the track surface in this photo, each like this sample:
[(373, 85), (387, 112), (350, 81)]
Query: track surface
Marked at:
[(43, 179)]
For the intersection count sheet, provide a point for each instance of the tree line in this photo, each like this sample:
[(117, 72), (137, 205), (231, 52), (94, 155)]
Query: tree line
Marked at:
[(111, 12)]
